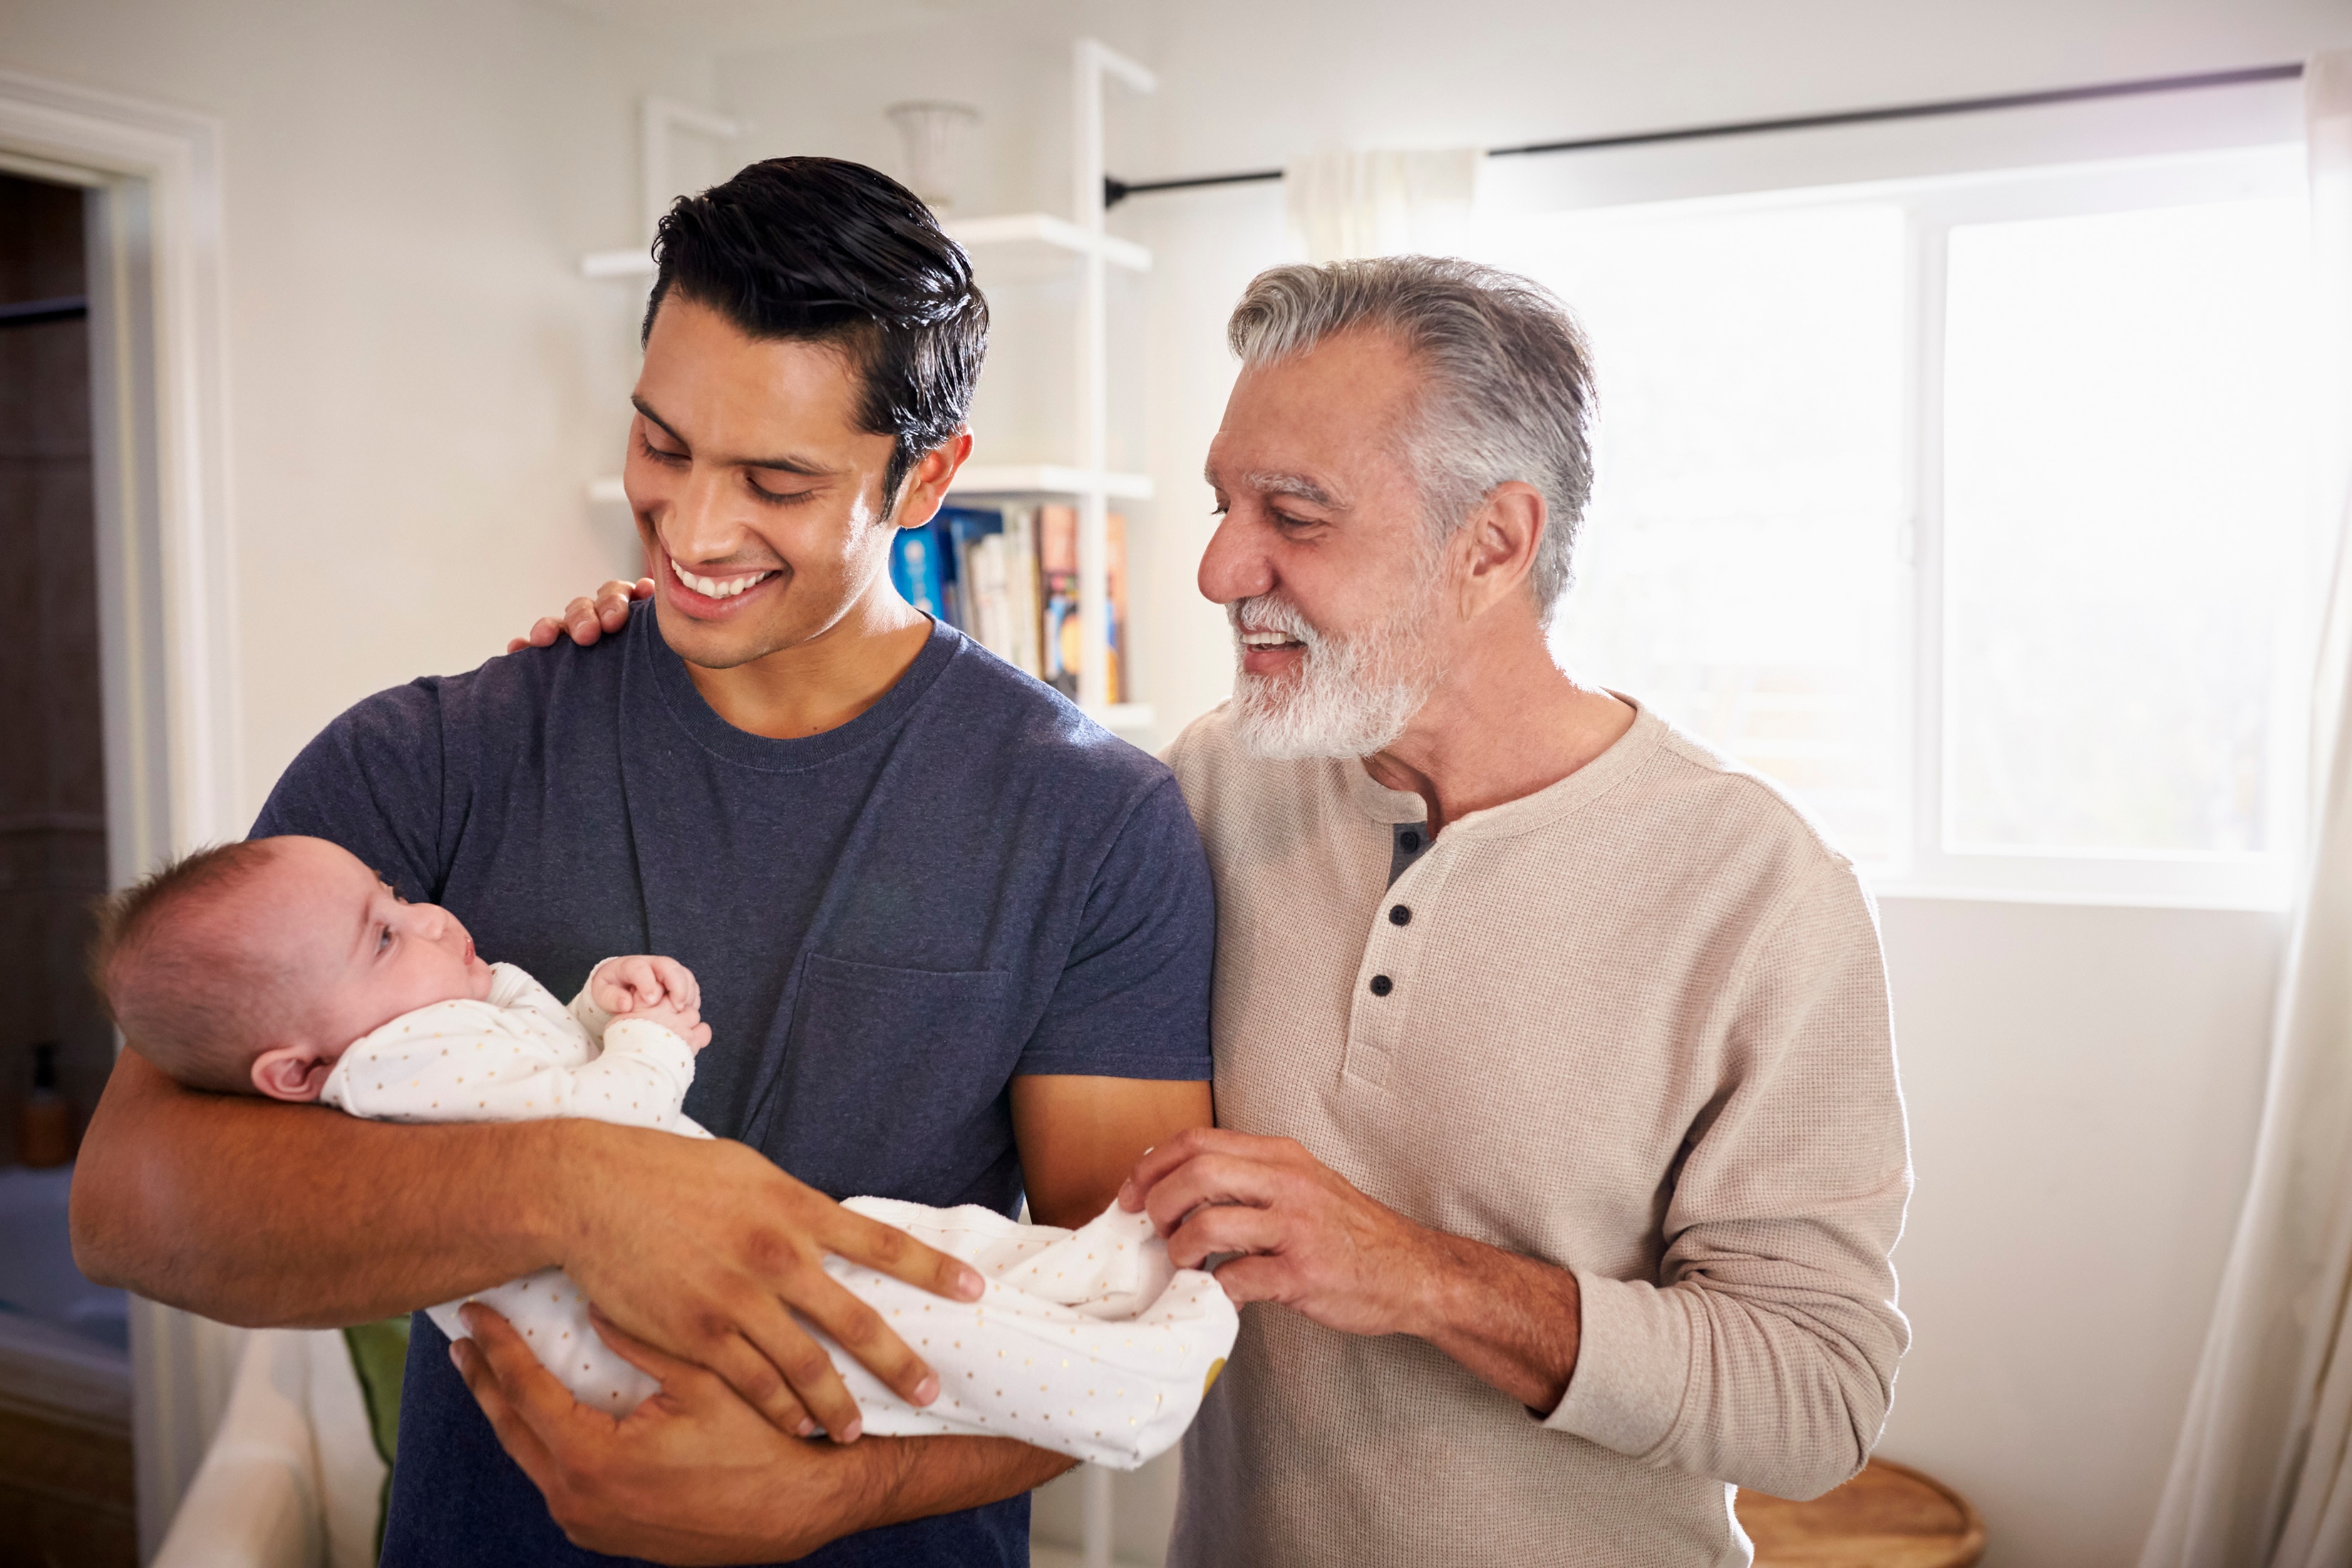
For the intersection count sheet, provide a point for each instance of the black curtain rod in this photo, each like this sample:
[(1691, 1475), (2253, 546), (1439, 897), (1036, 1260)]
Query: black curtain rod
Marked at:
[(1116, 191)]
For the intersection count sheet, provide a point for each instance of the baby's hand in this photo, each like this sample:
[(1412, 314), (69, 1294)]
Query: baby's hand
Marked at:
[(625, 985), (684, 1022)]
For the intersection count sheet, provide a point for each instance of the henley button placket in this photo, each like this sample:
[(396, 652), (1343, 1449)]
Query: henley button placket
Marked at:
[(1392, 953)]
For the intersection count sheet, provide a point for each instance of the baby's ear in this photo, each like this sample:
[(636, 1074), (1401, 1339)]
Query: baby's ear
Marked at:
[(292, 1072)]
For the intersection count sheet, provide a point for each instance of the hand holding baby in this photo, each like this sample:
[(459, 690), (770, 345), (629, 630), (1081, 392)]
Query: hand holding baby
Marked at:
[(658, 990)]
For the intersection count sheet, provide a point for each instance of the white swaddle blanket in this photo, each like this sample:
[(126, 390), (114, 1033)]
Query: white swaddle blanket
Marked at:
[(1090, 1341), (1087, 1342)]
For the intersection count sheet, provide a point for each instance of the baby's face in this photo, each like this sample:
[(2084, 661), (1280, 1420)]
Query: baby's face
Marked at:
[(362, 955)]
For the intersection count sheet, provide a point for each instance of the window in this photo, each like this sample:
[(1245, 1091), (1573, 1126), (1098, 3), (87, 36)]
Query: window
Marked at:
[(1973, 512)]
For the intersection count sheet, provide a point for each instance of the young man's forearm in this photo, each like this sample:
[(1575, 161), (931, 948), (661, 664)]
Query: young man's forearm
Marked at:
[(889, 1480), (266, 1215)]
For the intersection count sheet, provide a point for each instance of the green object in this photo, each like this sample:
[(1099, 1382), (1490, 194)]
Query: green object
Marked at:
[(380, 1356)]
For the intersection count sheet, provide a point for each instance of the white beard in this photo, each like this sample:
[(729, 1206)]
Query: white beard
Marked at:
[(1350, 696)]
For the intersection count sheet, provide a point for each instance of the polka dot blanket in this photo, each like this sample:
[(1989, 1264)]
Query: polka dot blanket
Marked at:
[(1090, 1341)]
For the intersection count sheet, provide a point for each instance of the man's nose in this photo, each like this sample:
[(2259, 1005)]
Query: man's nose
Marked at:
[(1232, 567), (699, 525)]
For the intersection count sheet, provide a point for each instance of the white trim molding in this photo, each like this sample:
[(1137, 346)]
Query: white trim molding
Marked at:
[(166, 583), (160, 358)]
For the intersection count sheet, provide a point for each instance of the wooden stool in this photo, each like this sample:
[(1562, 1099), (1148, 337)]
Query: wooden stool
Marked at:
[(1890, 1516)]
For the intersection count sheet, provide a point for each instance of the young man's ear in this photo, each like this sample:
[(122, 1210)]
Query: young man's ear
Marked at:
[(925, 489), (292, 1072)]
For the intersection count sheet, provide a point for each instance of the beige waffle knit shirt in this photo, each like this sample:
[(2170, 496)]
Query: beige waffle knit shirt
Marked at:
[(1635, 1026)]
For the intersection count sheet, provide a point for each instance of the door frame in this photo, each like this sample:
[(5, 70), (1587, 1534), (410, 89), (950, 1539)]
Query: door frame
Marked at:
[(167, 602)]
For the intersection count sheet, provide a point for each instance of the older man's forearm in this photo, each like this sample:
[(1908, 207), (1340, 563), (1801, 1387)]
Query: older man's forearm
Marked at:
[(266, 1215), (1510, 1320)]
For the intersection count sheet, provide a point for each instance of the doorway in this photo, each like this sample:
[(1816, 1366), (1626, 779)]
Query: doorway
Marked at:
[(153, 549), (66, 1487)]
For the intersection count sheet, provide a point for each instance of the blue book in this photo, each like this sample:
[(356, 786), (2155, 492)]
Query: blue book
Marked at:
[(918, 569), (965, 525)]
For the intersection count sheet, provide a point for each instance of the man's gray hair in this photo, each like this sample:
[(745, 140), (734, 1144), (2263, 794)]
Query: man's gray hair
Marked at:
[(1510, 393)]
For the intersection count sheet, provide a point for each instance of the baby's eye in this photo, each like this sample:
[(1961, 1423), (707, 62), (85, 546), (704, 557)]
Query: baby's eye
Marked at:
[(382, 938)]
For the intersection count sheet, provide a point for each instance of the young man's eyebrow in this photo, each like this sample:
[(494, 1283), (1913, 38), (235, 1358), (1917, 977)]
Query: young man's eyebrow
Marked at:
[(805, 466), (642, 406)]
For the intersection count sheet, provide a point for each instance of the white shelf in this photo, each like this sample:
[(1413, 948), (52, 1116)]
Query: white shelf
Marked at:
[(1123, 716), (1035, 230), (1046, 479), (977, 480), (1072, 257), (1030, 238), (618, 264)]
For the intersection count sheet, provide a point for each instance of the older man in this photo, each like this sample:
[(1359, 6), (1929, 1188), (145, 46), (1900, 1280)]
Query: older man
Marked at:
[(1559, 1133)]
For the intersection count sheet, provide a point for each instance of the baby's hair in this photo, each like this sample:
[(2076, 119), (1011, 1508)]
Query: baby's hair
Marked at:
[(180, 988)]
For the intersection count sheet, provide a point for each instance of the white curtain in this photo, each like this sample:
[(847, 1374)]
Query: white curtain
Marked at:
[(1343, 206), (2263, 1476)]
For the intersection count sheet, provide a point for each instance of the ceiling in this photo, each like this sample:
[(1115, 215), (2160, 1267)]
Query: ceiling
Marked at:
[(731, 26)]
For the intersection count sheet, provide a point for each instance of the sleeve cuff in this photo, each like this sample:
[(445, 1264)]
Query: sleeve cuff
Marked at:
[(645, 1041), (1633, 1364), (1081, 1063), (591, 1017)]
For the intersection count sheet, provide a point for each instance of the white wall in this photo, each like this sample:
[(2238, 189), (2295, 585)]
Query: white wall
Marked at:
[(2083, 1086), (420, 381)]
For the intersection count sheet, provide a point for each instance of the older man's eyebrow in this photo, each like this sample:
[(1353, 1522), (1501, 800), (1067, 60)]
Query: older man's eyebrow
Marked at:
[(808, 467), (1298, 485)]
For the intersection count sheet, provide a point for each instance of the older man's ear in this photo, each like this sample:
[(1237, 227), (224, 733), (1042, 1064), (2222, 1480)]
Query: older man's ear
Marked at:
[(1495, 551)]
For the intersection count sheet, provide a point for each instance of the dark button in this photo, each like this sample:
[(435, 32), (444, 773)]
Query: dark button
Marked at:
[(1399, 915), (1382, 985), (1412, 842)]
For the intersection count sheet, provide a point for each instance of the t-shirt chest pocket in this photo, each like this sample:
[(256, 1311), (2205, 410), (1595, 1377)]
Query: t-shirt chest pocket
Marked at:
[(893, 1079)]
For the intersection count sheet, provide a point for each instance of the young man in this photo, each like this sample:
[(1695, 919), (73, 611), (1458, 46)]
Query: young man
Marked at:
[(954, 940)]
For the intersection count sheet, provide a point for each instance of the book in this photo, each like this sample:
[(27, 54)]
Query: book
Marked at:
[(1115, 581), (1058, 562), (1023, 610), (1057, 582), (918, 572), (996, 567)]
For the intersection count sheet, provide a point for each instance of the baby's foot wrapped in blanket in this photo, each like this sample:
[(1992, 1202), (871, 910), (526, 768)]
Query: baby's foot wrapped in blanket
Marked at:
[(1088, 1342)]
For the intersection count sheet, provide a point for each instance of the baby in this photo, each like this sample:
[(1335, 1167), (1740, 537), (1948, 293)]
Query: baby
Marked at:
[(285, 967)]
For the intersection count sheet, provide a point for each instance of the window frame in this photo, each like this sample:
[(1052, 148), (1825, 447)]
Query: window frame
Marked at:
[(1931, 867), (1923, 865)]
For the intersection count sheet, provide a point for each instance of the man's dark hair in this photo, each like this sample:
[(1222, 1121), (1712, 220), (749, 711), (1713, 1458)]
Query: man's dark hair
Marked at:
[(819, 250)]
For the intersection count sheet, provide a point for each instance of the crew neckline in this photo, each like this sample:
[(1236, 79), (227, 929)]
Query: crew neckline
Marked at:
[(1531, 810), (693, 714)]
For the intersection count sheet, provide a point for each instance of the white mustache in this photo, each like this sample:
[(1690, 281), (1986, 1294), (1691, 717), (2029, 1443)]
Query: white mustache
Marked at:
[(1268, 614)]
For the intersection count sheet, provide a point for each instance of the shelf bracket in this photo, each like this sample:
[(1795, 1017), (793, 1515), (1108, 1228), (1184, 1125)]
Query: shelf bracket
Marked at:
[(658, 120)]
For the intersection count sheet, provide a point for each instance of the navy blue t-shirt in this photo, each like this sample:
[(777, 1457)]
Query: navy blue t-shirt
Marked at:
[(890, 920)]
